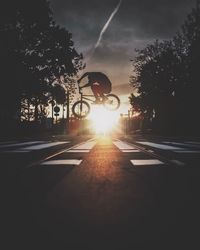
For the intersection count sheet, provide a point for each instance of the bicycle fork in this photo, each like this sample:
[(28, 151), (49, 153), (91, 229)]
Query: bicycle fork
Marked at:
[(81, 106)]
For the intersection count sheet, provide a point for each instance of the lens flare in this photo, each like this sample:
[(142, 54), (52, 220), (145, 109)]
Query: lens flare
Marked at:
[(103, 121)]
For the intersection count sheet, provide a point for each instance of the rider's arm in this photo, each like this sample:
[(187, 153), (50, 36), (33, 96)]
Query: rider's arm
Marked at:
[(84, 75), (86, 85)]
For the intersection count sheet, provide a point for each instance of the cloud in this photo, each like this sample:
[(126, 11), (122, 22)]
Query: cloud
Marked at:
[(137, 23), (107, 24), (148, 18)]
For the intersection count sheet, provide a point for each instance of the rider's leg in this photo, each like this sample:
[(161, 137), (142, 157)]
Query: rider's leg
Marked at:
[(96, 89)]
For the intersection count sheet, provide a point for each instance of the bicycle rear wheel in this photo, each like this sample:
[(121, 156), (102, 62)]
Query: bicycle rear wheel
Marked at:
[(81, 109), (112, 102)]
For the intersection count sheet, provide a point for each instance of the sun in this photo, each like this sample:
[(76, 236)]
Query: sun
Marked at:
[(102, 120)]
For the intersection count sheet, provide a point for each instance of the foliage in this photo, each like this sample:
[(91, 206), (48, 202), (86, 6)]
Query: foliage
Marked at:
[(35, 52), (166, 79)]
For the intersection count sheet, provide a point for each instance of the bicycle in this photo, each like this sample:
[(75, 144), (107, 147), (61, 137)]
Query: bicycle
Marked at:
[(81, 108)]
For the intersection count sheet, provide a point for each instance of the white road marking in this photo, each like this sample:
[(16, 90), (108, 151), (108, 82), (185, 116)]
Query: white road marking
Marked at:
[(78, 151), (151, 151), (160, 146), (45, 145), (48, 159), (177, 143), (177, 162), (180, 144), (123, 145), (20, 144), (187, 151), (7, 142), (87, 146), (146, 162), (15, 151), (193, 142), (130, 150), (62, 162)]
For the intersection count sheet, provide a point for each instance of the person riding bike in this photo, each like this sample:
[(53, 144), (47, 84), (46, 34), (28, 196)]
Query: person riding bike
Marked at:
[(99, 83)]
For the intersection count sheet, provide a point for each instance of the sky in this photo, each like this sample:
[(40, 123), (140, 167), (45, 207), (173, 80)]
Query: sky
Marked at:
[(133, 25)]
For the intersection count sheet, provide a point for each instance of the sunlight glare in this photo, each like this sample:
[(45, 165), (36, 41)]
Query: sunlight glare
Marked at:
[(103, 121)]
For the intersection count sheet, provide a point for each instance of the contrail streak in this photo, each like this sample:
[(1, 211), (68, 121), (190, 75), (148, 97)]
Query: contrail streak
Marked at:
[(107, 23)]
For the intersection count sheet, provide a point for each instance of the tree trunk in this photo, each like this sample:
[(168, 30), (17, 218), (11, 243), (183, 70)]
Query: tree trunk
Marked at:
[(67, 116), (28, 109), (52, 104), (36, 111)]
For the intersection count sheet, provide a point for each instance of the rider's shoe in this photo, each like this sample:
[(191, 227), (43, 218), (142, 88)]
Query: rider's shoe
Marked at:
[(105, 99), (97, 101)]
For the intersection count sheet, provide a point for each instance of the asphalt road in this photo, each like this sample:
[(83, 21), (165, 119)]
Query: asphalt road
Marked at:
[(101, 193)]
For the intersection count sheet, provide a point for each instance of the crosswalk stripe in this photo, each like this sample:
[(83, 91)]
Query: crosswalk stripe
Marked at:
[(7, 142), (20, 144), (193, 142), (146, 162), (15, 151), (177, 143), (177, 162), (62, 162), (86, 146), (187, 151), (189, 145), (78, 151), (44, 145), (123, 145), (160, 146), (130, 150)]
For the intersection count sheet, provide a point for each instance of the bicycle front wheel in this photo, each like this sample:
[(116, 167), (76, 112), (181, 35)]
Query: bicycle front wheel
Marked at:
[(81, 109), (112, 102)]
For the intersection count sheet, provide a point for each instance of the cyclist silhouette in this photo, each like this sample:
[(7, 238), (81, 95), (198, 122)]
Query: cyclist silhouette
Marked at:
[(99, 83)]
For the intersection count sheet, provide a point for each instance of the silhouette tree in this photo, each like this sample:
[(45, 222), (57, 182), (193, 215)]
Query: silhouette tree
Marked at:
[(166, 78), (190, 34), (20, 22), (58, 94), (155, 79), (35, 52)]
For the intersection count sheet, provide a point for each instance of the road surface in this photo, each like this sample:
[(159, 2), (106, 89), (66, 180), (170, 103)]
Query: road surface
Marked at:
[(101, 193)]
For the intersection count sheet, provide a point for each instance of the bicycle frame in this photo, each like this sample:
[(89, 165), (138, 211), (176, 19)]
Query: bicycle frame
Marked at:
[(86, 97), (83, 103)]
